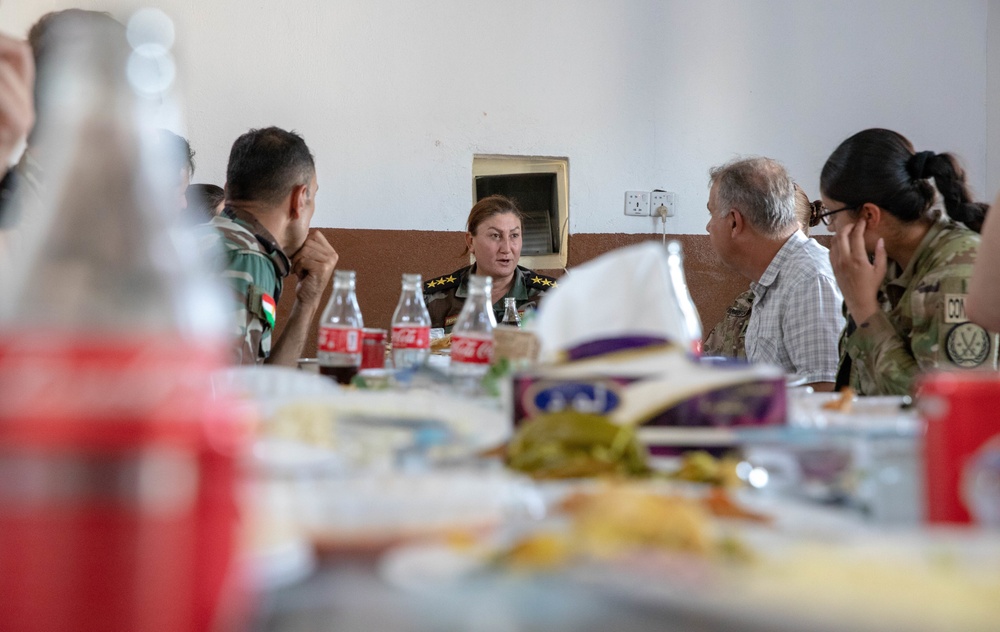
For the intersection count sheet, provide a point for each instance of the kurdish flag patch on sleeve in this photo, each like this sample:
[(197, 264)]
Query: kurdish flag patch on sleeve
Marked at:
[(270, 309)]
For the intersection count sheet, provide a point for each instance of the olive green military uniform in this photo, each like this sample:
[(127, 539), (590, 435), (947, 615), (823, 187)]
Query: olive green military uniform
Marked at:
[(254, 266), (446, 294), (922, 325), (728, 338)]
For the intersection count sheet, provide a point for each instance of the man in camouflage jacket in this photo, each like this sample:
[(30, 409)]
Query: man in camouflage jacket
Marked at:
[(270, 199), (922, 323), (728, 337)]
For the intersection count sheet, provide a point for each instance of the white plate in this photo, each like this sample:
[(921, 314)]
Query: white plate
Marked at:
[(273, 383), (282, 564), (388, 419), (816, 571), (882, 413), (375, 510)]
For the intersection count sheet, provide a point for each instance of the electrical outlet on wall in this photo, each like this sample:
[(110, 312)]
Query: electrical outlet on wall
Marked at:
[(665, 199), (636, 203)]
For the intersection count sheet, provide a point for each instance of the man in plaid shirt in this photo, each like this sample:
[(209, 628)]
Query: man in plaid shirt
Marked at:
[(796, 316)]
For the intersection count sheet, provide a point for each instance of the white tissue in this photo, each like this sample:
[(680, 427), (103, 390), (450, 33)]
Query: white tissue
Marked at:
[(626, 292)]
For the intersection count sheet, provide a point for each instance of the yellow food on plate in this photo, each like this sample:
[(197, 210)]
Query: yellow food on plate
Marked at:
[(310, 423), (698, 466), (440, 344), (539, 551), (622, 518)]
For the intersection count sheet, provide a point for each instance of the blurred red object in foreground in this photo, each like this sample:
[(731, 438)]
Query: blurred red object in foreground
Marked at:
[(962, 411), (117, 479), (117, 460)]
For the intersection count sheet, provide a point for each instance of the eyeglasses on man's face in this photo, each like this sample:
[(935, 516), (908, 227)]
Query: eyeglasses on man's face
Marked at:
[(825, 215)]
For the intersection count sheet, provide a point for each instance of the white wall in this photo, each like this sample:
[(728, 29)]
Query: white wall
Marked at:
[(395, 97)]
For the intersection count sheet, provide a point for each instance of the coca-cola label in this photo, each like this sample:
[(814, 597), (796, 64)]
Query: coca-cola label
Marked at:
[(411, 337), (339, 339), (50, 383), (471, 350)]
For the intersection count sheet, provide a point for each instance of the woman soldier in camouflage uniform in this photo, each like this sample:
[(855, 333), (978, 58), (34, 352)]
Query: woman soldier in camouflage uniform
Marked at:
[(728, 337), (902, 262), (493, 237)]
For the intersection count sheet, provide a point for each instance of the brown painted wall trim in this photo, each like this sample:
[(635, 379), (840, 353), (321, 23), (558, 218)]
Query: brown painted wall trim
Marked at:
[(380, 257)]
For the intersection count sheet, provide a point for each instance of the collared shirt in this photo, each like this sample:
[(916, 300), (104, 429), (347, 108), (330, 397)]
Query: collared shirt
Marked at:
[(796, 316), (922, 323), (445, 295), (254, 266)]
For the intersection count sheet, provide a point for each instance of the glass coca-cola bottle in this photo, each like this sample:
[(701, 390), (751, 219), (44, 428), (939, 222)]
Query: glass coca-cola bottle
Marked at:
[(689, 318), (472, 335), (411, 326), (510, 315), (119, 464), (338, 351)]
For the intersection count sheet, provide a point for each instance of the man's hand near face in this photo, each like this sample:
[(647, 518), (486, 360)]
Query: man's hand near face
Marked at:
[(312, 267)]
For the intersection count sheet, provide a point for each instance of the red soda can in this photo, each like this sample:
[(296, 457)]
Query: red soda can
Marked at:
[(373, 348), (962, 425)]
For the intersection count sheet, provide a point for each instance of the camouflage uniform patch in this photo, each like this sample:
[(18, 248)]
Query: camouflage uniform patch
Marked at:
[(916, 332), (968, 345), (445, 295), (254, 266), (728, 337)]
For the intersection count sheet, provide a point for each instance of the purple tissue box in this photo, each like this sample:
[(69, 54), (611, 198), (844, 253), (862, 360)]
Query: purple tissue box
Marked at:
[(677, 401)]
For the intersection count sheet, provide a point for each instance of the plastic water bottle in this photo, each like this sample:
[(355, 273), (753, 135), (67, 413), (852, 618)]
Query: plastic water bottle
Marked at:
[(472, 335), (338, 350), (688, 312), (510, 315), (411, 326)]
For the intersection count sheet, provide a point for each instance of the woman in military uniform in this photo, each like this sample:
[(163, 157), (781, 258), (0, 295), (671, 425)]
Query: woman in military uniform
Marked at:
[(493, 237), (902, 262), (728, 337)]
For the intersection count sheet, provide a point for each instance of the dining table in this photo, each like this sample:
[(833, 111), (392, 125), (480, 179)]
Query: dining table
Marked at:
[(837, 488)]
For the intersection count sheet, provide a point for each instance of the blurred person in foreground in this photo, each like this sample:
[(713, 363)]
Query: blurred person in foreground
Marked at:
[(796, 311), (17, 109), (493, 237), (17, 116), (903, 260), (983, 302), (728, 337), (205, 201), (263, 235)]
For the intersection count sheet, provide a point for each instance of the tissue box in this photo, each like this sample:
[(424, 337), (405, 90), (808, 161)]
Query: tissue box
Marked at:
[(676, 402)]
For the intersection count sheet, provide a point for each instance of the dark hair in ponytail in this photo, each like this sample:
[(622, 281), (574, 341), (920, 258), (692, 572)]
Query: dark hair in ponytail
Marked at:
[(949, 177), (879, 166)]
